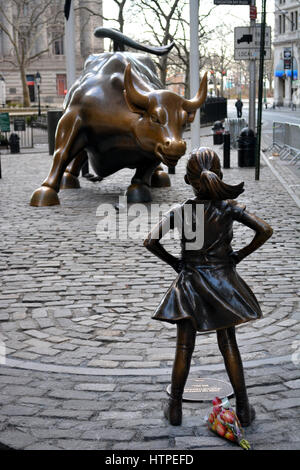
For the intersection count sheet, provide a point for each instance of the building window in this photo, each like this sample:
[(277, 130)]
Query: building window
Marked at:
[(283, 24), (61, 84), (280, 24), (58, 46), (295, 20)]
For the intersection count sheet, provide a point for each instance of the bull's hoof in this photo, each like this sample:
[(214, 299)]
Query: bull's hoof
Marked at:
[(138, 193), (44, 196), (69, 181), (160, 179)]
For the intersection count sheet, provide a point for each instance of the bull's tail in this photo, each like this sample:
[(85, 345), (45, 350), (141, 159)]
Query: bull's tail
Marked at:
[(120, 40)]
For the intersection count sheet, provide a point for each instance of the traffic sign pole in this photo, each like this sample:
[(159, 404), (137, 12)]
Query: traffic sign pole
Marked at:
[(194, 69), (252, 73), (260, 90)]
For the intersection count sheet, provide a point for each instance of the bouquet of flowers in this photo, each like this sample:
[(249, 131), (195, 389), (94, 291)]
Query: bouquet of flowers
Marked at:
[(224, 422)]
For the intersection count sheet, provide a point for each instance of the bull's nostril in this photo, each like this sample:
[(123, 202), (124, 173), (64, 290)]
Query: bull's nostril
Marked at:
[(167, 143)]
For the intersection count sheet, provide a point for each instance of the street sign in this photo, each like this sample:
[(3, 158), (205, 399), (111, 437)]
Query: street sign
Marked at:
[(247, 54), (287, 58), (247, 42), (19, 124), (4, 122), (253, 12), (287, 53), (247, 37), (232, 2)]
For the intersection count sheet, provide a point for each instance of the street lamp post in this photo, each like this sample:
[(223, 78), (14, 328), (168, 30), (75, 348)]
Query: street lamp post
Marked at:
[(2, 91), (38, 80)]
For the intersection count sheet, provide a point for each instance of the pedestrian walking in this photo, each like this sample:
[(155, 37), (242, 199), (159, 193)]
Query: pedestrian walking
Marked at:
[(239, 106), (294, 101), (208, 294)]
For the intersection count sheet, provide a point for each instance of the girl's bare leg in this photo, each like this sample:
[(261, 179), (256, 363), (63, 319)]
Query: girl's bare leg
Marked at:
[(186, 335), (233, 363)]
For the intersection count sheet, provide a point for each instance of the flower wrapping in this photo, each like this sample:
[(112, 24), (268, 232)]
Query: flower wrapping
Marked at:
[(223, 421)]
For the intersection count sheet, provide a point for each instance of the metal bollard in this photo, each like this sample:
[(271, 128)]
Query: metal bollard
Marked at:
[(53, 117), (226, 150)]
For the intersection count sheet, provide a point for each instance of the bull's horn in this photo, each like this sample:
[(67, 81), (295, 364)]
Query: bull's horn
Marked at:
[(195, 103), (133, 96)]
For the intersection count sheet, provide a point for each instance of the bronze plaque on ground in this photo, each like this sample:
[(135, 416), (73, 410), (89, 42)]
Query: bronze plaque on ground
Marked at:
[(205, 389)]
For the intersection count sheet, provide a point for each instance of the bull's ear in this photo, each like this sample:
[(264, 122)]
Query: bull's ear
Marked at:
[(133, 108), (191, 117)]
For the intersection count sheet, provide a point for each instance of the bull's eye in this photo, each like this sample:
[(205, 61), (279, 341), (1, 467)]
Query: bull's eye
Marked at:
[(154, 118)]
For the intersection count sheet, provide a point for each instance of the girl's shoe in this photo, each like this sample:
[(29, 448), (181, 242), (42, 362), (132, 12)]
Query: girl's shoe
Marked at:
[(246, 417), (173, 411)]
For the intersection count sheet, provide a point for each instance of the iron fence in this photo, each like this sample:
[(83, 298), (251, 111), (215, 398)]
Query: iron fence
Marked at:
[(31, 129), (214, 109)]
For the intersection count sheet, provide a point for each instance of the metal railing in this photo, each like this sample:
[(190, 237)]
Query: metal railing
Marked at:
[(31, 129), (286, 140), (234, 127)]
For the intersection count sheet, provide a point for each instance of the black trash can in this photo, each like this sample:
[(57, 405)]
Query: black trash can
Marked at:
[(53, 118), (218, 131), (246, 147), (14, 143)]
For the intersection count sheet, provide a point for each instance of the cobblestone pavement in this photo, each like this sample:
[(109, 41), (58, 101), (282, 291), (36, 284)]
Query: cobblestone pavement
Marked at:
[(85, 366)]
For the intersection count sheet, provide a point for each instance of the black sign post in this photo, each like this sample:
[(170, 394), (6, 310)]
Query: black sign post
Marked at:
[(260, 90)]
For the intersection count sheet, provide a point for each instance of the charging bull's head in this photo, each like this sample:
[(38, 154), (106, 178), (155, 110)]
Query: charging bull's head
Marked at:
[(163, 117)]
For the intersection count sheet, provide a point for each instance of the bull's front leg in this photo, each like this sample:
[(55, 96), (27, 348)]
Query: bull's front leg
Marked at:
[(140, 188), (67, 146), (160, 179)]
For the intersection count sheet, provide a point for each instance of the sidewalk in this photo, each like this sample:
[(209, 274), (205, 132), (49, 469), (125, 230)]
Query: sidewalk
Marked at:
[(85, 366)]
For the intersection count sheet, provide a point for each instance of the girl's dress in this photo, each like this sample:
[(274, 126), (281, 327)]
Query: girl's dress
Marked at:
[(208, 290)]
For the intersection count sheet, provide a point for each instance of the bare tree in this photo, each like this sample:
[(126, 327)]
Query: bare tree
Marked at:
[(120, 19), (220, 63), (179, 58), (23, 23), (159, 17)]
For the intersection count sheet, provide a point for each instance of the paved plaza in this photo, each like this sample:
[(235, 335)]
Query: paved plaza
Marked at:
[(83, 364)]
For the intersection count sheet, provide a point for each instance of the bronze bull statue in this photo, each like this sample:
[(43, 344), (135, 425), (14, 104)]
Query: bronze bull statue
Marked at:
[(117, 116)]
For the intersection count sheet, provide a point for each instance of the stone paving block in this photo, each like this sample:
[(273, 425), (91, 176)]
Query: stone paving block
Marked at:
[(97, 387), (73, 394), (109, 435), (162, 444), (63, 413), (294, 384), (120, 415), (18, 410), (16, 439), (192, 442), (280, 404), (94, 405)]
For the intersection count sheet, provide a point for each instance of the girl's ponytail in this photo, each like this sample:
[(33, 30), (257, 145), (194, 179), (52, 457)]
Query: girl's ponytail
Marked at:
[(204, 174)]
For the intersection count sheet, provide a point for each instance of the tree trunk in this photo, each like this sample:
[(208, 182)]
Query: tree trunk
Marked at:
[(163, 70), (26, 98)]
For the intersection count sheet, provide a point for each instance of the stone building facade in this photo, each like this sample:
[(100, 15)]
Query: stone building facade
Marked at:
[(287, 52), (51, 65)]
